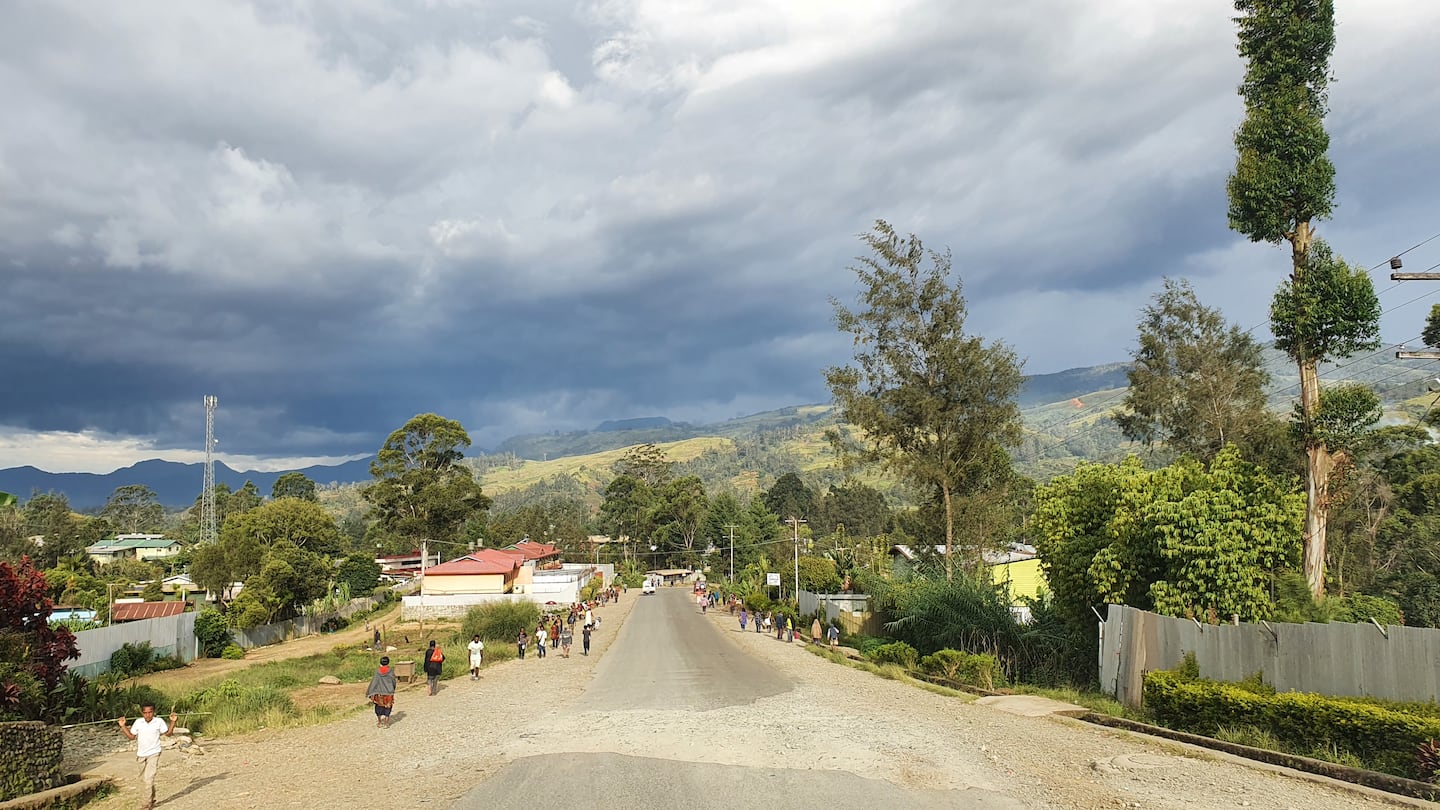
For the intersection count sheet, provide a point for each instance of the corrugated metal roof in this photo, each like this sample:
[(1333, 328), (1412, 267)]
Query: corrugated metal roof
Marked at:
[(483, 561), (134, 611), (533, 550)]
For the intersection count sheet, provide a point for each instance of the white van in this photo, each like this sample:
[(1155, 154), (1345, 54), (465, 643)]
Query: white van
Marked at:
[(648, 587)]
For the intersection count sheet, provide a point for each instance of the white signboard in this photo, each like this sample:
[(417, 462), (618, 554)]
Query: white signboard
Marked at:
[(772, 579)]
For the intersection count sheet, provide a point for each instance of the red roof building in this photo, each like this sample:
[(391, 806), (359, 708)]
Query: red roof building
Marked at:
[(535, 551), (481, 561), (486, 570), (135, 611)]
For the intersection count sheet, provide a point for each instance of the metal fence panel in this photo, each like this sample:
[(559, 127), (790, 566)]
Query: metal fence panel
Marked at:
[(167, 635), (1358, 660)]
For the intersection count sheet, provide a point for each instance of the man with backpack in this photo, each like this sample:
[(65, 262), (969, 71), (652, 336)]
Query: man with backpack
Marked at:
[(434, 663)]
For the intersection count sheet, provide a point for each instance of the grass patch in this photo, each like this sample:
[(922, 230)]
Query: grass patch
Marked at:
[(258, 697), (890, 672)]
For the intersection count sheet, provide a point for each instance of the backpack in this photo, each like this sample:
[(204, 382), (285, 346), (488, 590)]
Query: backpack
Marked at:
[(436, 656)]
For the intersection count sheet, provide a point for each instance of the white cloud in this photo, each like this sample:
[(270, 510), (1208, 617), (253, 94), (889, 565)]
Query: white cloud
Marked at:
[(368, 204)]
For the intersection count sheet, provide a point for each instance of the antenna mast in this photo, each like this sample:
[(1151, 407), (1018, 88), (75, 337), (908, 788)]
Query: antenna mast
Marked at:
[(207, 497)]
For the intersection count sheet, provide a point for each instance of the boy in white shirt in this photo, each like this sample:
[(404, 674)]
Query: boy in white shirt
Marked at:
[(147, 730), (477, 656)]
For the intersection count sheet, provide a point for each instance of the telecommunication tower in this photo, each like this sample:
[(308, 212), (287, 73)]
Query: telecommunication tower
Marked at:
[(207, 497)]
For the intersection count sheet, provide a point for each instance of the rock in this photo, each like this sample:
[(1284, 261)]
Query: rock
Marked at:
[(390, 648), (330, 680)]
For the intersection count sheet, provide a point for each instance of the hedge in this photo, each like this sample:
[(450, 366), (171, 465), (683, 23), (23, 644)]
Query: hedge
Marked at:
[(1384, 738)]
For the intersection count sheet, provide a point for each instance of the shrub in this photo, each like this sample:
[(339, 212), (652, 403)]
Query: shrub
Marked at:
[(132, 659), (164, 662), (1189, 668), (212, 631), (499, 621), (1384, 737), (975, 669), (590, 591), (232, 652), (897, 652), (756, 601), (866, 644), (1361, 608), (1427, 761)]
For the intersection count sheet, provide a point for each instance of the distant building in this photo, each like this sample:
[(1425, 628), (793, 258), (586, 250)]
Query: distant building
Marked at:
[(405, 565), (65, 614), (1017, 567), (140, 547), (179, 583)]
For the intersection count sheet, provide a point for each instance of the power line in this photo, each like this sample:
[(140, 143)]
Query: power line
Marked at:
[(1090, 410), (1065, 440)]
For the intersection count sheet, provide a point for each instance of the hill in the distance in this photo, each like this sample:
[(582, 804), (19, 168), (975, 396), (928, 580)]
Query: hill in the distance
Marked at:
[(176, 484), (1066, 421)]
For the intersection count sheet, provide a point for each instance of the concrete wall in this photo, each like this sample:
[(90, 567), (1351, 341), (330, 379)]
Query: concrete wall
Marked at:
[(450, 606), (1358, 660), (168, 635)]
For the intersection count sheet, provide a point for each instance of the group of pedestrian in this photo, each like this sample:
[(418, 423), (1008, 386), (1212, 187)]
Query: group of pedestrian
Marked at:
[(785, 630), (557, 634)]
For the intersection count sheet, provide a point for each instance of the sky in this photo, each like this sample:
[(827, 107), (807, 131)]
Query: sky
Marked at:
[(535, 216)]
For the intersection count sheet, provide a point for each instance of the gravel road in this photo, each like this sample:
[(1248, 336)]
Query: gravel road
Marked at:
[(565, 718)]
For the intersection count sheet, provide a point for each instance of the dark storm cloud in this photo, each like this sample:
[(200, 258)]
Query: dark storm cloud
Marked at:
[(537, 216)]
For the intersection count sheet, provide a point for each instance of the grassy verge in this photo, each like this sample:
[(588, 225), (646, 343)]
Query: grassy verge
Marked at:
[(890, 672), (260, 696)]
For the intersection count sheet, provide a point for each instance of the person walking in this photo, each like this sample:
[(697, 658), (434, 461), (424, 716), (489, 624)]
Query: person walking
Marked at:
[(555, 633), (477, 656), (743, 617), (815, 630), (833, 634), (540, 642), (146, 730), (376, 646), (434, 665), (381, 692), (520, 642), (585, 638), (567, 637)]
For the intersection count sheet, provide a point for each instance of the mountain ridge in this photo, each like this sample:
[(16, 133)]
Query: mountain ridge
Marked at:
[(1065, 415)]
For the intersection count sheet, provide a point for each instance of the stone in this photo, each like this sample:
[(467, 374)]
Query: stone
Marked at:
[(330, 680)]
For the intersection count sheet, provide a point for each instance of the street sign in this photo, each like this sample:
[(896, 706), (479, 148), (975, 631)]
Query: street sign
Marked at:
[(772, 580)]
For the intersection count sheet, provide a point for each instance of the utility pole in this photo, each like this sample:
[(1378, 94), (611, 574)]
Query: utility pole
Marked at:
[(424, 556), (732, 527), (795, 524), (1396, 264), (208, 519)]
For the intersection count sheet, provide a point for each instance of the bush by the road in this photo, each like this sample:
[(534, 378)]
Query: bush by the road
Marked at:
[(212, 631), (500, 621), (976, 669), (1384, 737), (897, 652)]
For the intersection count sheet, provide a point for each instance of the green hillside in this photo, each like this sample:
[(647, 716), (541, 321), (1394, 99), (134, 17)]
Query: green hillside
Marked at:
[(1066, 415)]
